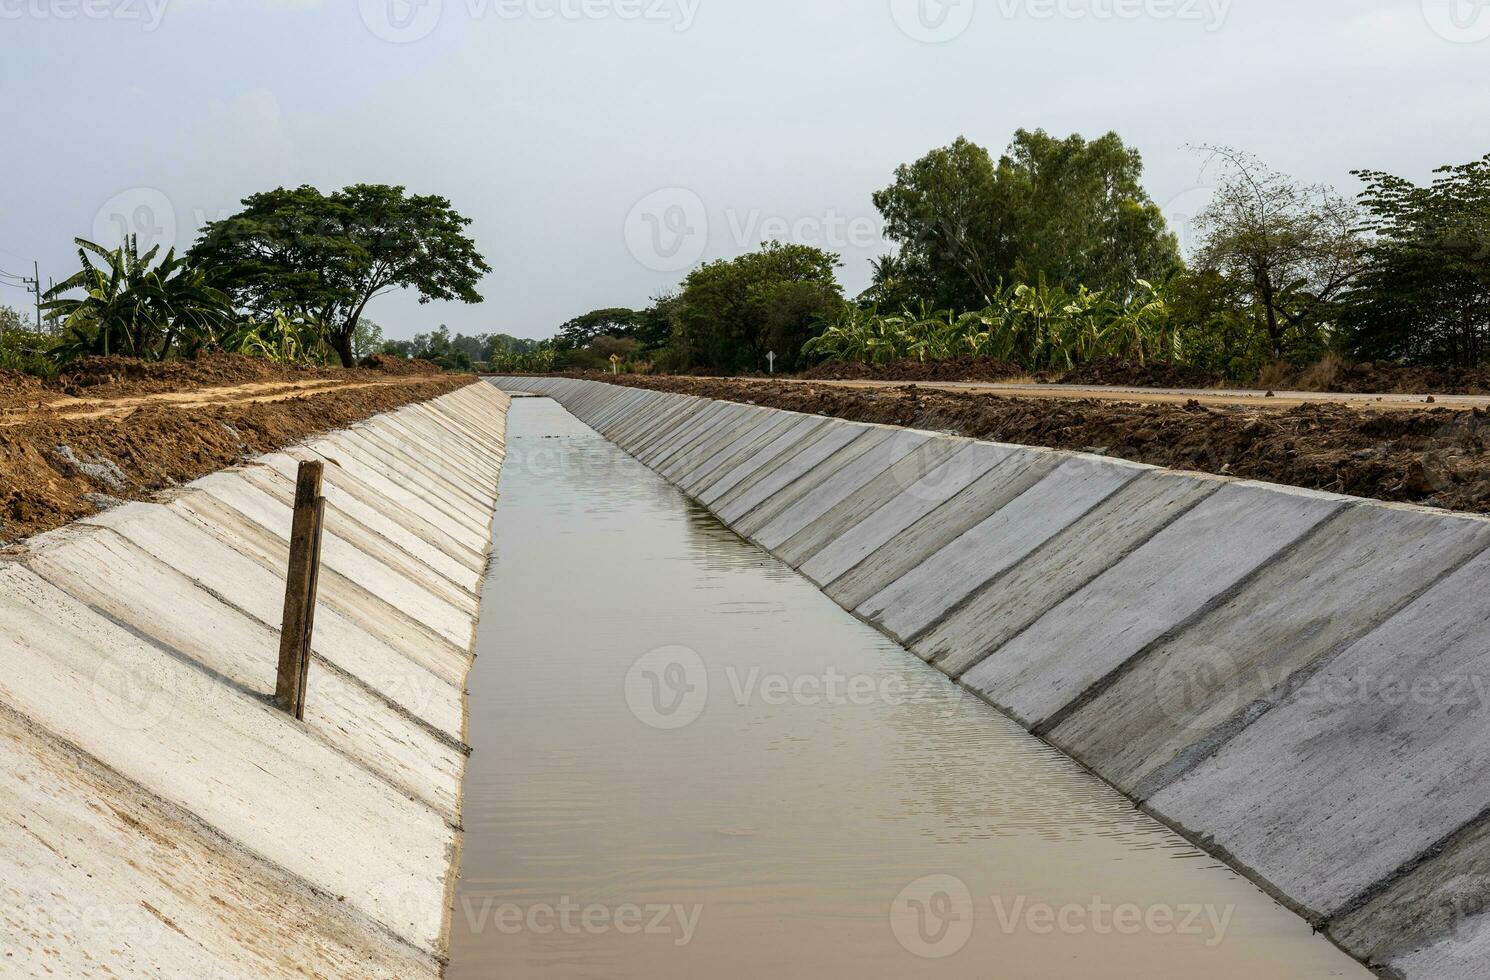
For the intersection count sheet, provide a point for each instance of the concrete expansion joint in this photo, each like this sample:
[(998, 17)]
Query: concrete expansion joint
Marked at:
[(1091, 693), (1049, 545)]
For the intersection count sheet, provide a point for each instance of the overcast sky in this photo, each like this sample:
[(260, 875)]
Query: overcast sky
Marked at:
[(604, 146)]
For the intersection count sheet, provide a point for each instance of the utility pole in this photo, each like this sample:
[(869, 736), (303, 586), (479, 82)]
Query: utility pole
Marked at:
[(36, 288)]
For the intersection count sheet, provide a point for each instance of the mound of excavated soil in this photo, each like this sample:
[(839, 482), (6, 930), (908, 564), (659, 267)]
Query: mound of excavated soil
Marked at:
[(1366, 378), (1129, 374), (962, 369), (1434, 457), (132, 434), (399, 365)]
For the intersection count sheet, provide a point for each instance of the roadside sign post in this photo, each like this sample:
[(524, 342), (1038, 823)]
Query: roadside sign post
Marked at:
[(771, 358), (615, 364)]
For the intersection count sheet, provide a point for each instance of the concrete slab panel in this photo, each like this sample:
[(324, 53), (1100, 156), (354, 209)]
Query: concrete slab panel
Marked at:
[(747, 470), (225, 756), (789, 470), (192, 550), (1005, 538), (1174, 576), (810, 484), (845, 483), (1430, 923), (853, 540), (104, 880), (908, 473), (1383, 754), (116, 578), (1002, 610), (1191, 693), (941, 523)]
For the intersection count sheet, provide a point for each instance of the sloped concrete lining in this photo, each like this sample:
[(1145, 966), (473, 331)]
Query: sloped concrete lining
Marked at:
[(852, 544), (908, 473), (1156, 589), (807, 492), (1003, 609), (1189, 694), (820, 447), (839, 486), (797, 435), (923, 595), (941, 526), (1298, 681), (1383, 755), (160, 792)]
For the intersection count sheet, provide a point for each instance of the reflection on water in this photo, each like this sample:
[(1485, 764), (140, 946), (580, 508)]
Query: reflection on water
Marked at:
[(690, 763)]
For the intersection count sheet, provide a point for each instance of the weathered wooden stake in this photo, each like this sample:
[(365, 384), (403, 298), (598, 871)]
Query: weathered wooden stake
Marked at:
[(301, 584)]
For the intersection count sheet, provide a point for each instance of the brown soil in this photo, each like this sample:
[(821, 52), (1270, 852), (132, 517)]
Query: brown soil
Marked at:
[(140, 428), (1394, 379), (1130, 375), (1367, 378), (963, 369), (1435, 457)]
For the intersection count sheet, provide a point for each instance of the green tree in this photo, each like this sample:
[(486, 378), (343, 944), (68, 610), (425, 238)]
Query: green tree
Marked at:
[(329, 255), (579, 332), (732, 312), (1288, 249), (1424, 295), (367, 340), (1071, 212), (950, 216)]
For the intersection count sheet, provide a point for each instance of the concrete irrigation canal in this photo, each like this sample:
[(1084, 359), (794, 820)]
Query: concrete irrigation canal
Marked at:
[(757, 694)]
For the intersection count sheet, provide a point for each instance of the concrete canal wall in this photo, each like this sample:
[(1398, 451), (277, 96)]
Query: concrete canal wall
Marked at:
[(160, 817), (1298, 681)]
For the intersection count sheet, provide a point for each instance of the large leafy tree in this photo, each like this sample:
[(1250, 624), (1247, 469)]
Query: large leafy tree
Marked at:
[(1069, 211), (1424, 295), (329, 255), (582, 330), (731, 313), (1288, 249)]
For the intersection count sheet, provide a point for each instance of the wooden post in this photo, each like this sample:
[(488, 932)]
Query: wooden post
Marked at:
[(301, 584)]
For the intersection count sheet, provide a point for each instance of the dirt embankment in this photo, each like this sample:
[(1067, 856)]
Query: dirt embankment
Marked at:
[(1328, 376), (1433, 457), (113, 429)]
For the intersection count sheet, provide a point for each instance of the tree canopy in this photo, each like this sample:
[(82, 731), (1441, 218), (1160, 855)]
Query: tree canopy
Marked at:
[(1288, 249), (731, 313), (1069, 211), (1424, 295), (329, 255)]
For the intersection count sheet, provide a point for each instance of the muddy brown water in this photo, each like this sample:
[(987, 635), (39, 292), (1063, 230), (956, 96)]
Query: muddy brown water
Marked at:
[(690, 763)]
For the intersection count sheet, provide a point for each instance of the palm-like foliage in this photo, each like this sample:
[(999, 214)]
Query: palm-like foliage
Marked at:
[(132, 305), (1035, 327)]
